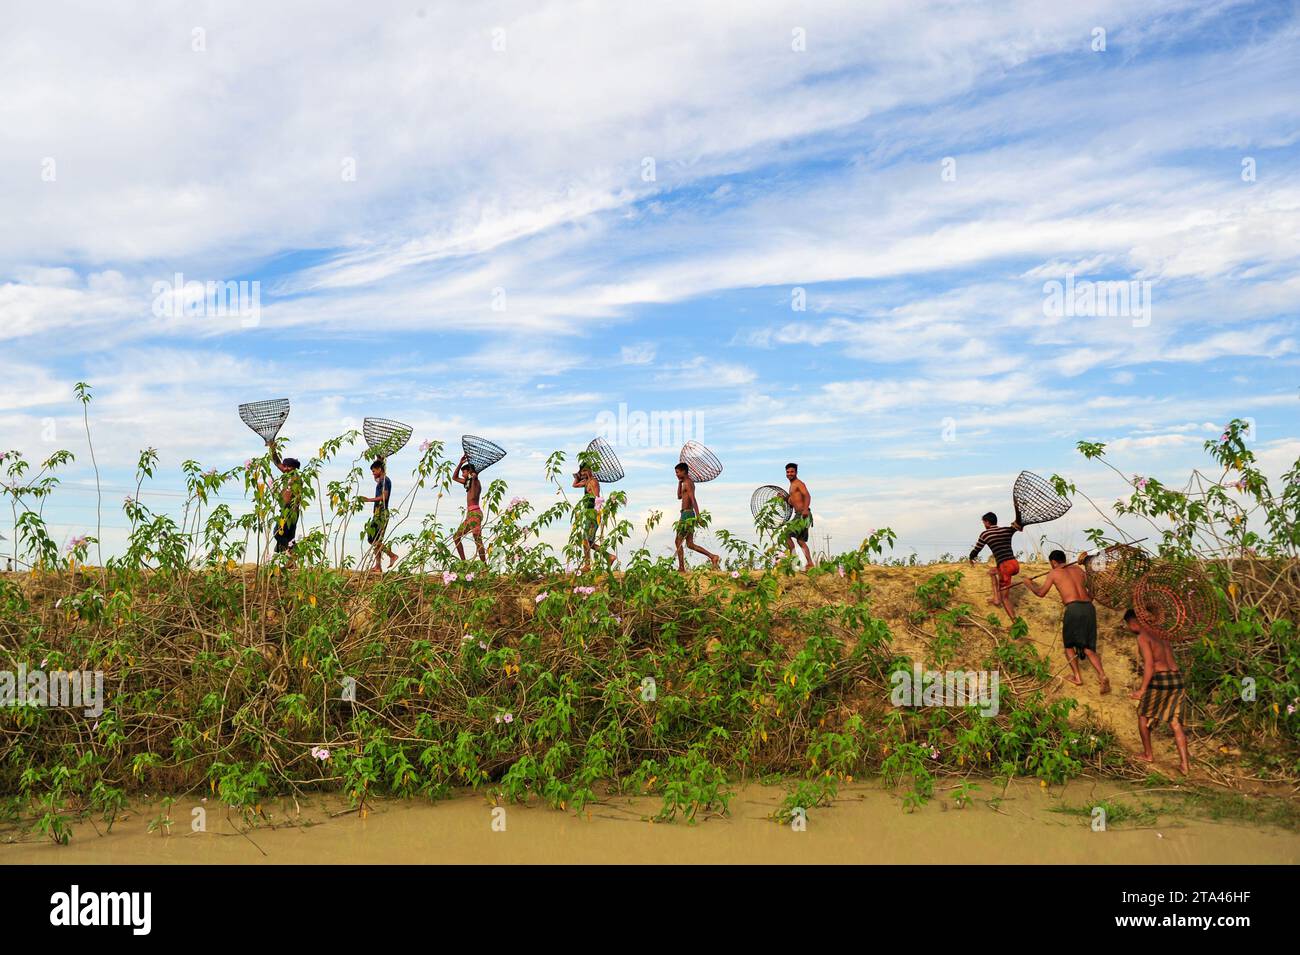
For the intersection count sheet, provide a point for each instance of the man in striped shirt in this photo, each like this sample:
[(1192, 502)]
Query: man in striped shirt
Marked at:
[(998, 540)]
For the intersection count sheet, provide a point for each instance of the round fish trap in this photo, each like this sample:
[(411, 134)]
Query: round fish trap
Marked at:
[(701, 464), (1036, 500), (481, 452), (770, 502), (384, 438), (1113, 573), (606, 467), (1176, 601), (266, 418)]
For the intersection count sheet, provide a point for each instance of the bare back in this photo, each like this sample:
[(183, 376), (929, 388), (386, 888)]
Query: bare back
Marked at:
[(1161, 654), (473, 487), (1071, 584)]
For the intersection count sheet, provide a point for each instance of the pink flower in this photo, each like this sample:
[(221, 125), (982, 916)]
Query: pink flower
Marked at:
[(248, 464), (600, 503), (74, 543), (469, 578), (735, 575), (1141, 482), (840, 570), (584, 590), (540, 597), (934, 753), (1290, 708), (320, 753), (509, 717), (448, 578), (516, 501), (497, 718), (425, 446)]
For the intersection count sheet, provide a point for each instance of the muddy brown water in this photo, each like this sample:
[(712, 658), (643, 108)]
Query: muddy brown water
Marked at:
[(865, 825)]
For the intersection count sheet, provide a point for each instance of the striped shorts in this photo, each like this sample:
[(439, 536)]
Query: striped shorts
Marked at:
[(1165, 698)]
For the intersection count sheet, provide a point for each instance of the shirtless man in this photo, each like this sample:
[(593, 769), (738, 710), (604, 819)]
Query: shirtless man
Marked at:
[(1163, 694), (467, 475), (1079, 625), (802, 522), (587, 512), (690, 513)]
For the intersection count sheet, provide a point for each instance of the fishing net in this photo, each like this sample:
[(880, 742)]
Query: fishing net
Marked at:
[(701, 463), (481, 452), (605, 466), (1176, 601), (771, 502), (384, 438), (1036, 500), (1114, 572), (265, 417)]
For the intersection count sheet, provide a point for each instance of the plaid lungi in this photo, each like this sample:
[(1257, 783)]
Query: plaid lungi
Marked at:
[(1165, 699)]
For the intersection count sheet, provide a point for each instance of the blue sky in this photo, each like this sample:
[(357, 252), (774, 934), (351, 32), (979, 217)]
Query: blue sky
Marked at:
[(923, 372)]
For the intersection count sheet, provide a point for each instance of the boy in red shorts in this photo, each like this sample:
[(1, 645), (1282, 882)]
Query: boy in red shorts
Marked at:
[(998, 540)]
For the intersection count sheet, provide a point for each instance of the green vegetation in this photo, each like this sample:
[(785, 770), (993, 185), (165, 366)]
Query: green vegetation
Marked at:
[(517, 678)]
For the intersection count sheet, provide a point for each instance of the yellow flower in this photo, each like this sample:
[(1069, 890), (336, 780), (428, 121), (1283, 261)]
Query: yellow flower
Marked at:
[(313, 600)]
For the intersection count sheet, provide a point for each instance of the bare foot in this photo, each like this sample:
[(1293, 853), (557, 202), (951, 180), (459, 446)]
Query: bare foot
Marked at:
[(1145, 758), (1105, 686), (1185, 769), (716, 561), (1076, 681)]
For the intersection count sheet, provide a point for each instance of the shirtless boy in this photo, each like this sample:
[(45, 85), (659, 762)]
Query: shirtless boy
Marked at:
[(802, 522), (467, 475), (1162, 694), (690, 513), (1079, 625), (586, 512)]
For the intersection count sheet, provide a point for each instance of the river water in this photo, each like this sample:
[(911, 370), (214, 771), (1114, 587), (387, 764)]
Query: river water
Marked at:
[(865, 825)]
